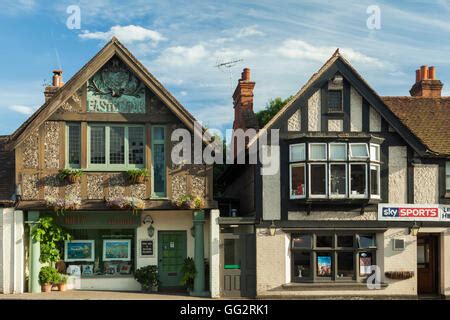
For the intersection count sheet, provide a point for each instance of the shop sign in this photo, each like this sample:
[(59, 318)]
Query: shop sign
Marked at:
[(412, 212), (146, 248), (98, 219)]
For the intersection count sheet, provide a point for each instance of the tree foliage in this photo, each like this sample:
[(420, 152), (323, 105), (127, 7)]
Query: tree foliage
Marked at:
[(271, 109), (51, 238)]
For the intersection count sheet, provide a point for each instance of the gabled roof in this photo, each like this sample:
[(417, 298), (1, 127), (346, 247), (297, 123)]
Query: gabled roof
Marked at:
[(337, 63), (113, 47), (427, 118)]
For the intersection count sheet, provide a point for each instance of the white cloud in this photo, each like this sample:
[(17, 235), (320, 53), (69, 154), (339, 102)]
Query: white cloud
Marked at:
[(22, 109), (215, 116), (299, 49), (183, 56), (249, 31), (126, 34)]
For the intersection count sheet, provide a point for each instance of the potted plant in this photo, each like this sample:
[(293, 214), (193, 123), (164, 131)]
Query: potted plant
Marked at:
[(148, 278), (189, 273), (126, 203), (62, 281), (47, 277), (60, 205), (70, 175), (190, 202), (137, 176)]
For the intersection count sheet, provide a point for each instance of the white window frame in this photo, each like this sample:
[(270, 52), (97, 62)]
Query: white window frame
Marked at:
[(375, 196), (301, 164), (337, 143), (317, 143), (292, 147), (377, 148), (326, 181), (447, 175), (338, 196), (351, 157), (357, 196)]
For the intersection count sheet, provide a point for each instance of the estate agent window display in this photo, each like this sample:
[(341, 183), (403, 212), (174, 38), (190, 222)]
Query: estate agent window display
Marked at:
[(332, 257)]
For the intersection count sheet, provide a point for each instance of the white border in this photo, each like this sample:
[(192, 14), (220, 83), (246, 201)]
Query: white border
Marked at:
[(128, 241), (92, 258), (381, 206), (300, 164), (326, 180), (337, 196), (356, 196)]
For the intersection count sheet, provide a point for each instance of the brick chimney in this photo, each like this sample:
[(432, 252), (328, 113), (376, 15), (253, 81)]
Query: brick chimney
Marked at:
[(243, 99), (426, 83), (57, 83)]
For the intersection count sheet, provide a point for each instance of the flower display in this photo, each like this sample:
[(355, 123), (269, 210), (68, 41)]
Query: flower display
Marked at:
[(60, 205), (190, 202), (126, 203)]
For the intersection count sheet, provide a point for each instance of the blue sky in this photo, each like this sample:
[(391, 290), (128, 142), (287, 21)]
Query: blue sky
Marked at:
[(180, 42)]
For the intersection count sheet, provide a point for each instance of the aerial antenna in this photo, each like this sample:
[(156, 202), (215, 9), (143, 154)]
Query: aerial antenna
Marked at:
[(226, 66)]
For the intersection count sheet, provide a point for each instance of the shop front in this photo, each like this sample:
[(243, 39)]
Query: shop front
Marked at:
[(107, 247)]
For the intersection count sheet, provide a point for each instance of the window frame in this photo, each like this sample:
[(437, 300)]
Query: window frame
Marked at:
[(318, 196), (378, 153), (107, 166), (341, 109), (291, 165), (314, 251), (447, 176), (291, 146), (339, 196), (357, 196), (317, 143), (337, 143), (378, 166), (358, 158), (69, 165), (164, 142)]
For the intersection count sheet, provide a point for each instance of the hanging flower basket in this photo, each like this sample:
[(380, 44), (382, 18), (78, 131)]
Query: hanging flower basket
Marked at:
[(60, 205), (399, 275), (190, 202), (126, 203)]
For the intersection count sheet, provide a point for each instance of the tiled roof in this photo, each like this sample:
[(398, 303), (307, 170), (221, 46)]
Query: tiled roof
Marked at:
[(427, 118), (6, 172)]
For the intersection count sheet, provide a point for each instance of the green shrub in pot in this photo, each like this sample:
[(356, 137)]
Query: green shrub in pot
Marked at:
[(148, 278)]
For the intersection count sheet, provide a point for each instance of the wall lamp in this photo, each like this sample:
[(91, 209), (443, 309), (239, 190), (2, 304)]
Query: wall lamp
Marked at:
[(414, 230), (272, 229), (151, 229)]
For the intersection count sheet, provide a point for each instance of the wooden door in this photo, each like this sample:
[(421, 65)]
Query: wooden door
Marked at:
[(172, 251), (427, 264)]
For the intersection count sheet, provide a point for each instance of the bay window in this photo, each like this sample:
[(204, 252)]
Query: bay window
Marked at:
[(330, 256), (334, 170), (115, 147)]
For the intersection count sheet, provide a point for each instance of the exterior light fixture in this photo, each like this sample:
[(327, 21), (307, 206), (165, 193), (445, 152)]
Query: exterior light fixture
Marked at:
[(414, 230), (272, 228)]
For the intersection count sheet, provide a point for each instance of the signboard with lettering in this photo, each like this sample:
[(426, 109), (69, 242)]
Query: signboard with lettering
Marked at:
[(115, 89), (146, 248), (412, 212), (95, 220)]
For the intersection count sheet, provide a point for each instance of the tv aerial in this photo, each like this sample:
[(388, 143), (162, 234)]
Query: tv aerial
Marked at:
[(227, 66)]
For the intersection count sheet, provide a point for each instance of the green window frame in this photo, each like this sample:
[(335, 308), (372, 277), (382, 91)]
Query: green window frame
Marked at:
[(115, 130), (159, 161), (73, 145)]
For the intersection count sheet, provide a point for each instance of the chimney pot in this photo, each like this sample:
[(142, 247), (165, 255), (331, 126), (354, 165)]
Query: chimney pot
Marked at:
[(418, 78), (245, 74), (424, 73), (57, 78), (432, 73)]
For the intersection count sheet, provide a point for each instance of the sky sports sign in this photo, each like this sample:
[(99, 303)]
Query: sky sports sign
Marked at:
[(413, 212)]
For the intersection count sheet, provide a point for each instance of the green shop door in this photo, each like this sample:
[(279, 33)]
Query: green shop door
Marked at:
[(172, 250)]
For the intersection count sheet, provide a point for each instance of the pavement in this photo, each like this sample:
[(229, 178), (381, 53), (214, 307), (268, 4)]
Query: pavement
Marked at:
[(97, 295)]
